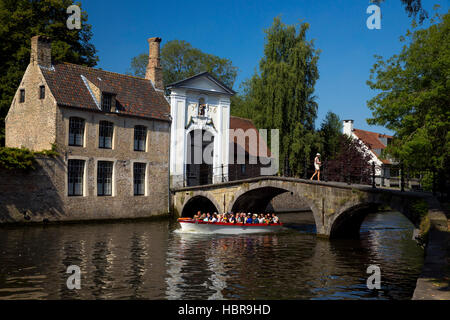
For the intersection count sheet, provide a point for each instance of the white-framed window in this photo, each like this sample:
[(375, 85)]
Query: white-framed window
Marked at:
[(140, 138), (105, 178), (76, 131), (75, 177), (105, 134), (139, 178)]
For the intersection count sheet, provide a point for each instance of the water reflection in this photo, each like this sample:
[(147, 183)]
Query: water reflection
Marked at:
[(150, 260)]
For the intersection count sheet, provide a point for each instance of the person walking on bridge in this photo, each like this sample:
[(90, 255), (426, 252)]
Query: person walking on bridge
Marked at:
[(317, 164)]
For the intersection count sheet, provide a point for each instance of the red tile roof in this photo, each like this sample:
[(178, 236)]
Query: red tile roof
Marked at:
[(372, 141), (135, 96), (246, 124)]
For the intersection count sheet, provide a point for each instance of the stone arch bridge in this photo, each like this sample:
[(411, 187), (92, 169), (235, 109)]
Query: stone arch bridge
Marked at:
[(338, 208)]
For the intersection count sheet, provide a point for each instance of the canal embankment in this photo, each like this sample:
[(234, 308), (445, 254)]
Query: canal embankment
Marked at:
[(434, 281)]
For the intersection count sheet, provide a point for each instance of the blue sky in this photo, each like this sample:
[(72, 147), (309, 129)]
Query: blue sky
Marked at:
[(235, 30)]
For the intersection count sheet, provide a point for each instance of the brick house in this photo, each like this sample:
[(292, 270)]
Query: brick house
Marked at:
[(255, 156), (373, 143), (111, 130)]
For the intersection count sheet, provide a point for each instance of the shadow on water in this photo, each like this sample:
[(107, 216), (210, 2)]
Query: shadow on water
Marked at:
[(152, 260)]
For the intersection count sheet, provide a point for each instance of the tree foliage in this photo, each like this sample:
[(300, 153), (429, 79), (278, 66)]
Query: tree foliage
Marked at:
[(281, 94), (330, 132), (23, 159), (179, 60), (413, 8), (23, 19), (413, 98), (349, 164)]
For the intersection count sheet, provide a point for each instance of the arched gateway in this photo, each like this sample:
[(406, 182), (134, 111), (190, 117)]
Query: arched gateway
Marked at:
[(338, 208), (200, 107)]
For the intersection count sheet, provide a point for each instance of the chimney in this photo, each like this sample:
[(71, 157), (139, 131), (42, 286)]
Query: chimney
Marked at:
[(41, 51), (348, 127), (154, 70)]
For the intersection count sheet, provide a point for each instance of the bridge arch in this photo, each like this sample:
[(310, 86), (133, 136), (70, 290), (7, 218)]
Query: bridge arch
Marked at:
[(348, 220), (338, 209), (257, 198), (203, 203)]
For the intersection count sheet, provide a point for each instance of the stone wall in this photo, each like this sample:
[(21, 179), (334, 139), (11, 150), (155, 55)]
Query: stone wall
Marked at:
[(287, 202), (32, 124), (41, 195), (31, 195)]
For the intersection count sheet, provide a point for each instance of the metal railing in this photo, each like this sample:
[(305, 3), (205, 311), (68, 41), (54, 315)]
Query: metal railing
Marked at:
[(393, 176)]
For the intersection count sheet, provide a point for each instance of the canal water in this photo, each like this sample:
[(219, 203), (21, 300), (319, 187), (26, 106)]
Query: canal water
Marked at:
[(153, 260)]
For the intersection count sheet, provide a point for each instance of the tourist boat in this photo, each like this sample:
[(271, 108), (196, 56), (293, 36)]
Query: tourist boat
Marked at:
[(195, 226)]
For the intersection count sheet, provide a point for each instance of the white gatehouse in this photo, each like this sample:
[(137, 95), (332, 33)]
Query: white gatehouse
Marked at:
[(200, 109)]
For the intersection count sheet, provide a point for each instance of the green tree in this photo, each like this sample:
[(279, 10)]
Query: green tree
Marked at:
[(413, 98), (179, 60), (23, 19), (412, 7), (281, 95), (330, 132)]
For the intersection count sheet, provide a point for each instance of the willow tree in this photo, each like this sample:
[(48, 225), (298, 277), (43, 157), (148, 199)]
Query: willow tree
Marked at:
[(281, 93)]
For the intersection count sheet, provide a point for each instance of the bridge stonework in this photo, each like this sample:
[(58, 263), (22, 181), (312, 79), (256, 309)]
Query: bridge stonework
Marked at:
[(338, 208)]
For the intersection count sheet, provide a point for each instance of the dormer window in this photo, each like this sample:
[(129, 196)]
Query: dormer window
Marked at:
[(106, 102)]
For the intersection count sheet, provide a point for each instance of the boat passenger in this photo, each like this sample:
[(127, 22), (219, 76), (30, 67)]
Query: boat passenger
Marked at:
[(255, 218), (275, 218), (261, 218), (207, 218), (214, 218), (232, 218), (249, 219)]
